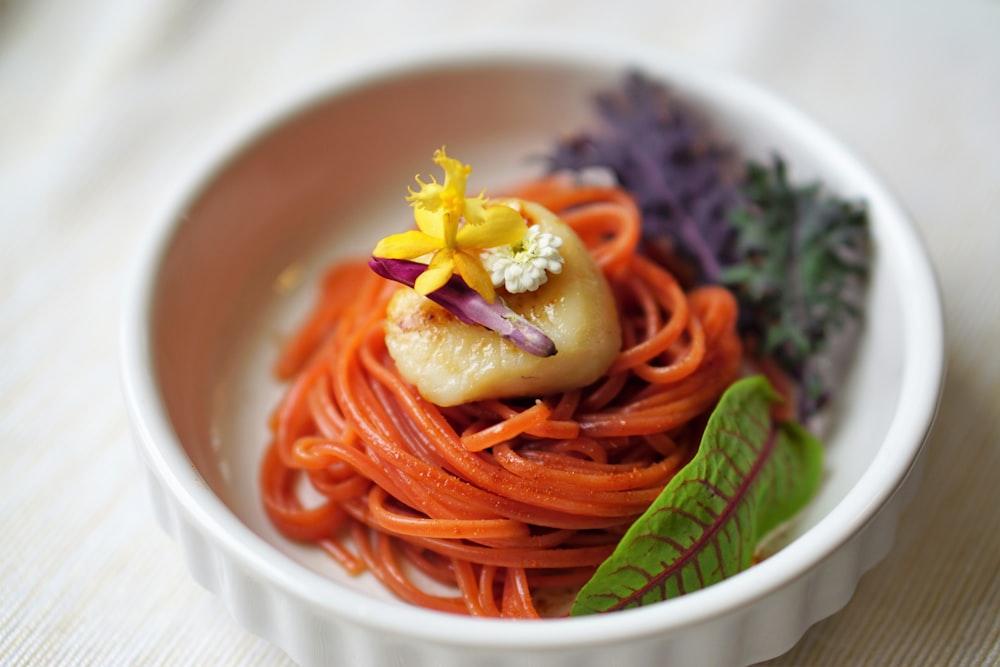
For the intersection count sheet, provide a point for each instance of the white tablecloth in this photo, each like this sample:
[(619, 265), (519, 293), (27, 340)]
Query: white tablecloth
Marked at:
[(102, 102)]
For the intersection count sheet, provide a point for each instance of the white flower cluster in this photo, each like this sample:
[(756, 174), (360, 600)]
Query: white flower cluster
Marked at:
[(524, 266)]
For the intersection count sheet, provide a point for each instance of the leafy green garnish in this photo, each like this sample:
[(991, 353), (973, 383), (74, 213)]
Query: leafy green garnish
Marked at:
[(664, 152), (799, 267), (795, 257), (750, 475)]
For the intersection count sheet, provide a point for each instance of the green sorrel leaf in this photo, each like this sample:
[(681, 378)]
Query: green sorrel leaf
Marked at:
[(749, 475)]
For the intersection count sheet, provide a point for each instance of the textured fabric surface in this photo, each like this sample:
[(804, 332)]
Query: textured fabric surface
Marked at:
[(102, 102)]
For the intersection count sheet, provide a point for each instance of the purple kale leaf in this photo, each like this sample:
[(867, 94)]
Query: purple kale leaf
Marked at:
[(662, 152), (799, 270)]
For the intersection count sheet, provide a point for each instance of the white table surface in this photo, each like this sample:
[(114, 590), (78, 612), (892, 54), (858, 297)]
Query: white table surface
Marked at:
[(102, 102)]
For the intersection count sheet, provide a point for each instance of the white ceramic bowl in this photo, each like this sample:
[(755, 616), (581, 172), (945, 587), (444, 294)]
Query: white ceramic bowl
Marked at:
[(231, 266)]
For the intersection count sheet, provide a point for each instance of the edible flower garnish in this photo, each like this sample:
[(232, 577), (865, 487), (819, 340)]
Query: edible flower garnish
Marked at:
[(524, 266), (455, 228)]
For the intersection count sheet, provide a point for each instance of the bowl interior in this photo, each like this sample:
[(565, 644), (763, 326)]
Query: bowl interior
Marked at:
[(246, 252)]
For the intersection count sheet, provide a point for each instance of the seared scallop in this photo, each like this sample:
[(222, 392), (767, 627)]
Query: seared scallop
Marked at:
[(451, 362)]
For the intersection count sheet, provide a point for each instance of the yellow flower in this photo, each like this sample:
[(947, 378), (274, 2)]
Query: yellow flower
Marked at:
[(455, 228)]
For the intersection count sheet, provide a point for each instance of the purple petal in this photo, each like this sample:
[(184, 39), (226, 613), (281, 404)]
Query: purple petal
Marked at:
[(468, 306)]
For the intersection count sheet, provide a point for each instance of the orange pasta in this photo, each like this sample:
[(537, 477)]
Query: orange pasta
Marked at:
[(494, 508)]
